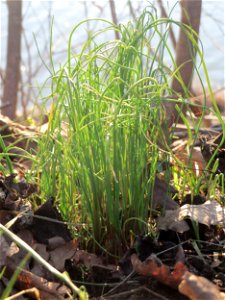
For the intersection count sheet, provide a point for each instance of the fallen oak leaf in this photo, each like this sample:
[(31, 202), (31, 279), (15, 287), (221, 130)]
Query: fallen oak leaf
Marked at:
[(48, 223), (153, 267), (37, 268), (86, 258), (161, 197), (198, 287), (208, 213), (61, 254), (55, 242), (179, 271), (197, 161)]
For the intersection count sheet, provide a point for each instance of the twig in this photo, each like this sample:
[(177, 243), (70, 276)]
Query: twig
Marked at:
[(139, 289), (33, 291), (120, 284), (126, 293)]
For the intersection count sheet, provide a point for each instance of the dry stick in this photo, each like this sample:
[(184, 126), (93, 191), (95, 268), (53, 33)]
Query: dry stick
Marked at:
[(38, 258), (139, 289), (164, 15), (33, 291), (119, 284)]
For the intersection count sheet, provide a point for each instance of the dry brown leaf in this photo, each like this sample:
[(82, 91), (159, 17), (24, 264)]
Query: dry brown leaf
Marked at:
[(43, 228), (197, 287), (153, 267), (26, 236), (38, 269), (13, 249), (55, 242), (87, 259), (5, 216), (197, 161), (161, 198), (3, 250), (23, 137), (59, 255), (14, 257), (209, 213)]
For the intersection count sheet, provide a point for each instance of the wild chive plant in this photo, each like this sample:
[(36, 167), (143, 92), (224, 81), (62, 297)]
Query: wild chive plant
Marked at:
[(104, 129)]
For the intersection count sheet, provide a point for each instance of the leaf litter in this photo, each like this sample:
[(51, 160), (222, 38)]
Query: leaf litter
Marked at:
[(209, 213), (196, 270)]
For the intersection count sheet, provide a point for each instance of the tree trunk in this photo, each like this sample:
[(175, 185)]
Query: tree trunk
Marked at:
[(12, 77), (114, 16), (185, 52)]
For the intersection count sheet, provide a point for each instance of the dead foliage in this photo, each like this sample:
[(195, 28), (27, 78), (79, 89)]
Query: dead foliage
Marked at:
[(153, 267), (209, 213), (197, 287), (173, 259)]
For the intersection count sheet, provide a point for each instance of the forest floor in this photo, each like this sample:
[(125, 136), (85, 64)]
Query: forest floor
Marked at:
[(175, 266)]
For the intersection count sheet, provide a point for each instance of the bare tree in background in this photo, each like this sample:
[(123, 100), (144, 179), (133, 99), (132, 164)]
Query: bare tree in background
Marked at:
[(12, 77), (114, 16), (185, 54)]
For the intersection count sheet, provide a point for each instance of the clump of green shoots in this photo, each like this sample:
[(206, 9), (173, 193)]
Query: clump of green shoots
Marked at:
[(100, 153)]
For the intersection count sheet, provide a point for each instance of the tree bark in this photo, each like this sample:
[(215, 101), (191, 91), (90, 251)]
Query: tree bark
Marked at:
[(12, 77), (114, 16), (185, 52)]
